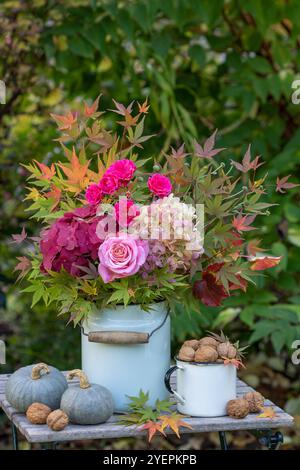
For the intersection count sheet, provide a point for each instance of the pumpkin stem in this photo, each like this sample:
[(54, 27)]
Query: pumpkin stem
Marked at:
[(83, 380), (37, 369)]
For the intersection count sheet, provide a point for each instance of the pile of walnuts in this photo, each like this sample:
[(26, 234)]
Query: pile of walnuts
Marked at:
[(207, 349), (251, 402), (38, 413)]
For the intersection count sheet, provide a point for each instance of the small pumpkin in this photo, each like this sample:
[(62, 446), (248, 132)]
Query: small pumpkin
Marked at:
[(36, 383), (86, 403)]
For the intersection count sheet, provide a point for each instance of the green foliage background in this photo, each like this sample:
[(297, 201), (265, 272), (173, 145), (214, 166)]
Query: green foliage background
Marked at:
[(204, 65)]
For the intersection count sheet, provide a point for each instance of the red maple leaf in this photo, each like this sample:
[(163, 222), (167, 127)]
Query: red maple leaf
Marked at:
[(240, 284), (282, 184), (247, 164), (179, 153), (19, 237), (90, 111), (264, 262), (207, 151), (23, 266), (243, 223), (253, 247), (121, 109), (152, 427), (209, 290)]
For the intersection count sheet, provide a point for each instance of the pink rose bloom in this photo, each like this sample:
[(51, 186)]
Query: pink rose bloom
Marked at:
[(93, 194), (109, 183), (125, 212), (121, 256), (159, 185), (122, 169)]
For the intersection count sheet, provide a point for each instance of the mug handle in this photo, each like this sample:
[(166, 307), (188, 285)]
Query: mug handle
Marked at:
[(168, 385)]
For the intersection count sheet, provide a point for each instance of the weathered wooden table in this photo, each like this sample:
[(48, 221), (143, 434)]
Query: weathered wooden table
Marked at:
[(262, 427)]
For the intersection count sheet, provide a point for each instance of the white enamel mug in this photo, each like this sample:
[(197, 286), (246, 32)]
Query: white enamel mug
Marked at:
[(203, 389)]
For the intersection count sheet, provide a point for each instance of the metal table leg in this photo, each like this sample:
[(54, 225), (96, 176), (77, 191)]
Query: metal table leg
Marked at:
[(223, 440), (14, 433)]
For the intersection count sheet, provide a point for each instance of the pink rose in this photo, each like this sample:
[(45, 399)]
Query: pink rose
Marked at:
[(122, 169), (93, 194), (159, 185), (121, 256), (109, 183), (125, 212)]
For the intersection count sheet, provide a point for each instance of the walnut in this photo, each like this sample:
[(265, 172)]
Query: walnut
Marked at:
[(226, 350), (206, 354), (57, 420), (192, 343), (208, 341), (238, 408), (37, 413), (186, 353), (255, 401)]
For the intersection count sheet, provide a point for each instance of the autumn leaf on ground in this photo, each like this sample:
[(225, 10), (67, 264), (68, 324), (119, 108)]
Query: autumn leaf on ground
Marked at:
[(243, 223), (153, 427), (282, 184), (65, 122), (207, 151), (143, 108), (173, 421), (76, 174), (247, 164), (267, 412), (264, 262), (23, 266), (46, 172), (18, 238)]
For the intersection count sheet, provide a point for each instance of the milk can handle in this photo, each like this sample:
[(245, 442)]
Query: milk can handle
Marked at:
[(168, 385), (121, 337)]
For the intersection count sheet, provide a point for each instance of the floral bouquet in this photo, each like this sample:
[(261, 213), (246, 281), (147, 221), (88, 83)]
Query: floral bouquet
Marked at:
[(118, 229)]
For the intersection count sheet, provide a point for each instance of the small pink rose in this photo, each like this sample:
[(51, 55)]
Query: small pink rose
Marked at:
[(125, 212), (123, 170), (121, 256), (159, 185), (93, 194), (109, 184)]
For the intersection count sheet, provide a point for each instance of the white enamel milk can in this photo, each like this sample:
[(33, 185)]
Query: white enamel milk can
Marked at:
[(127, 349), (203, 389)]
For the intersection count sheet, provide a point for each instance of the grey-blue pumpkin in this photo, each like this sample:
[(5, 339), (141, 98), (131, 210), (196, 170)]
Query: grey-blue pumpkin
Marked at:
[(86, 403), (36, 383)]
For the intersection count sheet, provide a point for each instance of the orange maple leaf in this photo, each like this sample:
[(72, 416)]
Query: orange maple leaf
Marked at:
[(65, 122), (243, 223), (46, 172), (76, 173), (153, 427), (174, 421), (236, 362), (54, 194), (264, 262), (90, 111), (143, 108), (267, 412)]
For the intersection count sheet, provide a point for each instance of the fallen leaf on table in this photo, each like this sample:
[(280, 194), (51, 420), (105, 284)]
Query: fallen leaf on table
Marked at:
[(267, 412), (153, 427), (174, 422)]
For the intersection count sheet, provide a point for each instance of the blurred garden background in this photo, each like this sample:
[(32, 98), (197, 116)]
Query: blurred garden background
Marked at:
[(203, 65)]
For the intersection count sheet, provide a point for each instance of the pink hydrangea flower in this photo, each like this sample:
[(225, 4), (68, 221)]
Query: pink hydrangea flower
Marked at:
[(93, 194), (123, 170), (109, 183), (121, 256), (159, 185), (71, 241), (125, 212)]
